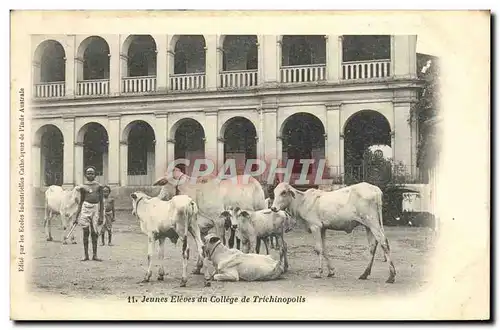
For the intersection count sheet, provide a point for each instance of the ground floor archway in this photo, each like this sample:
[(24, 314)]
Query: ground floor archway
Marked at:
[(140, 154), (189, 139), (51, 155), (303, 138), (240, 142), (362, 132), (95, 150)]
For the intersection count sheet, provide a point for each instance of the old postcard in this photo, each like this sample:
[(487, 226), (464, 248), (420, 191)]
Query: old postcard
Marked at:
[(250, 165)]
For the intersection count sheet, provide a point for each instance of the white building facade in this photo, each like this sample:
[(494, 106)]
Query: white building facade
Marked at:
[(130, 104)]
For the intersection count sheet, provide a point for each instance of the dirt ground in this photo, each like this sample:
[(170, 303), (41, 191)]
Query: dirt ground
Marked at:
[(58, 269)]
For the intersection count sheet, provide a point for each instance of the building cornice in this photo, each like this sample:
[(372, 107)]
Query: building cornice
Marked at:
[(282, 90)]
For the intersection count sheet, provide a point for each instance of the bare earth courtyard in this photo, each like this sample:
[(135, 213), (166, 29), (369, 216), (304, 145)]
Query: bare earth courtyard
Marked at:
[(57, 268)]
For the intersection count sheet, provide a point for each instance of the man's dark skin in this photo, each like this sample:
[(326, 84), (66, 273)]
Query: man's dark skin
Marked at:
[(92, 193)]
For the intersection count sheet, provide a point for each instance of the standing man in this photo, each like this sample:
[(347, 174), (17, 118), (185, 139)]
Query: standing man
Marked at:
[(91, 212)]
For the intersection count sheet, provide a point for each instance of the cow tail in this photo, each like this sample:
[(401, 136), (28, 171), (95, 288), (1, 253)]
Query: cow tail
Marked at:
[(380, 217), (46, 218)]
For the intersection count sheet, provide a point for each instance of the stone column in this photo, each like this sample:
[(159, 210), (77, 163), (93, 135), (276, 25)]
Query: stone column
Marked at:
[(162, 67), (114, 150), (115, 66), (260, 60), (70, 68), (78, 162), (333, 131), (170, 151), (78, 73), (341, 156), (213, 56), (161, 137), (36, 161), (211, 143), (333, 57), (404, 56), (270, 133), (69, 148), (404, 145), (271, 54), (123, 163)]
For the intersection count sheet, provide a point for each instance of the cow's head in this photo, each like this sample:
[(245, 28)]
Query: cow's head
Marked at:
[(243, 216), (137, 197), (283, 196), (229, 215)]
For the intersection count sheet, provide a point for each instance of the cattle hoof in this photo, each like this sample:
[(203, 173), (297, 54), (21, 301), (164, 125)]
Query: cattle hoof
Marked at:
[(390, 280)]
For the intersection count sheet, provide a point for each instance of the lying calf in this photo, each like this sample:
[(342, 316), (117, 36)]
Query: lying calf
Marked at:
[(234, 265)]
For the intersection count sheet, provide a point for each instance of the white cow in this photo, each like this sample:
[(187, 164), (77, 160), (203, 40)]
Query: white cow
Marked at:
[(342, 210), (262, 224), (213, 195), (172, 219), (234, 265), (62, 202)]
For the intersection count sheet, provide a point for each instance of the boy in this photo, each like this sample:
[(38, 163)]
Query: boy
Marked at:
[(109, 214)]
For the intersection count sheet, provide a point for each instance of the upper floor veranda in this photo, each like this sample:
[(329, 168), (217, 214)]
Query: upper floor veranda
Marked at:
[(82, 66)]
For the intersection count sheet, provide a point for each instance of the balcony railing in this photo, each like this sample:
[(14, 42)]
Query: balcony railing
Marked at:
[(50, 90), (366, 70), (145, 84), (93, 87), (190, 81), (238, 79), (303, 73)]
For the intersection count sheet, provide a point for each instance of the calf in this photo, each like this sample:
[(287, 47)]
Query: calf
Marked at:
[(234, 265), (172, 219), (62, 202), (261, 225)]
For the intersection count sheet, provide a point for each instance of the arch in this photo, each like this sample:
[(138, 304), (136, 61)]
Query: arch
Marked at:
[(240, 52), (177, 124), (189, 137), (240, 141), (302, 50), (94, 52), (95, 140), (140, 138), (303, 137), (50, 61), (363, 130), (189, 54), (388, 120), (141, 51), (51, 141)]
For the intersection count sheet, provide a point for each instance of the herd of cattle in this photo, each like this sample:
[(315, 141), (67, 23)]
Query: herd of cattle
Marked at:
[(208, 209)]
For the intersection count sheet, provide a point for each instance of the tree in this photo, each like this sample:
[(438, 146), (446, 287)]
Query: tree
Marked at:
[(390, 176), (426, 112)]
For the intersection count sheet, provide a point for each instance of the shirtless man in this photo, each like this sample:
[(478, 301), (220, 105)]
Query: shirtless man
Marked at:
[(91, 212)]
